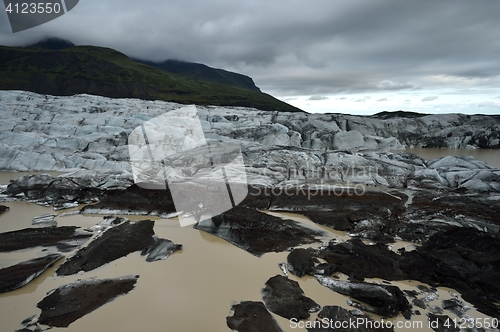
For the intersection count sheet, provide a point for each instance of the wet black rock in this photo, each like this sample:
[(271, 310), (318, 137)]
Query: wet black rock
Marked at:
[(45, 189), (324, 269), (112, 244), (65, 238), (71, 302), (31, 325), (383, 300), (455, 306), (340, 210), (358, 260), (16, 276), (464, 259), (301, 261), (258, 232), (372, 215), (134, 201), (330, 315), (434, 212), (251, 316), (160, 249), (419, 303), (3, 208), (284, 297)]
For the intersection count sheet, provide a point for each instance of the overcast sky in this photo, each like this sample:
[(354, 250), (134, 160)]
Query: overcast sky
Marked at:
[(356, 56)]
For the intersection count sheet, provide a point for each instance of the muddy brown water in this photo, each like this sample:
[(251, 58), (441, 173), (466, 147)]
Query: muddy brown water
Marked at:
[(489, 156), (192, 290)]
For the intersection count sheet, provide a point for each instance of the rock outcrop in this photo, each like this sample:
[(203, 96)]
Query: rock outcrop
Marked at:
[(64, 238), (16, 276), (257, 232), (284, 297), (118, 241), (250, 316), (68, 303), (383, 300), (464, 259)]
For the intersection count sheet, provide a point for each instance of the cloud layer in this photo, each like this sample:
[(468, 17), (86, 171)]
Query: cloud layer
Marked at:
[(315, 49)]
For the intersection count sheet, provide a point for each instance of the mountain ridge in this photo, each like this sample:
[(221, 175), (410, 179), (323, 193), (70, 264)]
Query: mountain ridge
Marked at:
[(202, 72), (109, 73)]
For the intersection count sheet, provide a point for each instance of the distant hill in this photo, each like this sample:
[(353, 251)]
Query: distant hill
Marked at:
[(201, 72), (398, 114), (109, 73), (53, 44)]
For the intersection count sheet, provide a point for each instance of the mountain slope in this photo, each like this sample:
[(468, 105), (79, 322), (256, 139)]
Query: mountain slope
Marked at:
[(397, 114), (109, 73), (201, 72), (53, 44)]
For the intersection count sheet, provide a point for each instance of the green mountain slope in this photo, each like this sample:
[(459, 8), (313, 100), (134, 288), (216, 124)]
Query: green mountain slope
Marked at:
[(398, 114), (201, 72), (109, 73), (53, 44)]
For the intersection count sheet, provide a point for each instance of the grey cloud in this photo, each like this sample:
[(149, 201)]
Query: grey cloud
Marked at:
[(430, 98), (317, 98), (391, 85), (313, 48), (383, 99), (488, 104)]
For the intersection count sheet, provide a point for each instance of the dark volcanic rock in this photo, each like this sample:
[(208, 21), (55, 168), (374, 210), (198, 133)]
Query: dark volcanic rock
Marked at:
[(344, 211), (16, 276), (57, 191), (358, 260), (134, 200), (3, 208), (284, 297), (434, 212), (252, 317), (64, 238), (383, 300), (332, 314), (257, 232), (114, 243), (161, 249), (71, 302), (464, 259), (301, 261), (455, 306)]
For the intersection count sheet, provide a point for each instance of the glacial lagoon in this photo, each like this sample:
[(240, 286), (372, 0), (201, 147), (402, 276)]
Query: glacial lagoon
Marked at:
[(193, 289)]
